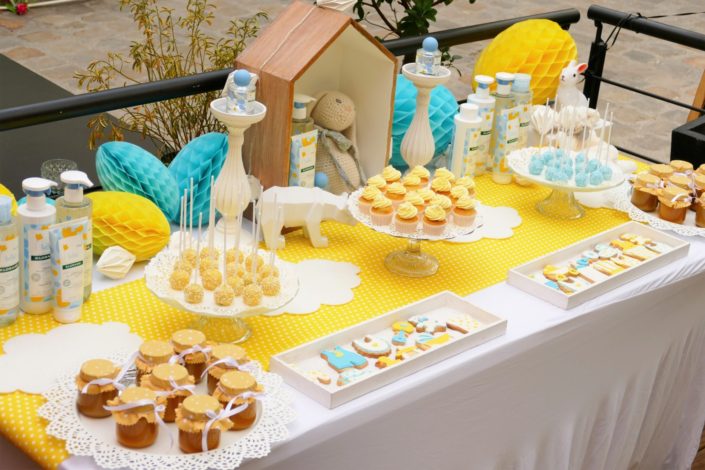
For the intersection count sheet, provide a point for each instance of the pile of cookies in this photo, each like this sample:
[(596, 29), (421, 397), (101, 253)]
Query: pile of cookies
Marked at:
[(599, 264), (167, 390), (370, 354), (418, 202)]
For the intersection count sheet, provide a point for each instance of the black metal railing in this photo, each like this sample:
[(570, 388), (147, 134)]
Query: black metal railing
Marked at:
[(133, 95), (632, 22)]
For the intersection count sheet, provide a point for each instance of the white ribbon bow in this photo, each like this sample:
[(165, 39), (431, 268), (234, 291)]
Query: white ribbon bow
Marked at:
[(227, 413), (231, 363), (146, 402), (681, 196), (116, 381), (195, 349)]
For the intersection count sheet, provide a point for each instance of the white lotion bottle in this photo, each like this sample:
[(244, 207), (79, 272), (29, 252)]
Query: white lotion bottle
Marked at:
[(466, 136), (35, 217), (9, 264), (485, 104)]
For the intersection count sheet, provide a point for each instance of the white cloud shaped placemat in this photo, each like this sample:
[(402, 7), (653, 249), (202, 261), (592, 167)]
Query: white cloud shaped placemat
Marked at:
[(321, 282), (32, 362), (497, 223)]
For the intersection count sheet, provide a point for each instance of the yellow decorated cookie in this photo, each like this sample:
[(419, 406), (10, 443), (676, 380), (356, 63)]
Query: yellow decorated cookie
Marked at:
[(391, 174)]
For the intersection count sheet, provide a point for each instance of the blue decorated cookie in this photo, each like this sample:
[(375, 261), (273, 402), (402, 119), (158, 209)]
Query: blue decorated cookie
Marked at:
[(341, 359), (400, 338), (425, 324), (349, 376)]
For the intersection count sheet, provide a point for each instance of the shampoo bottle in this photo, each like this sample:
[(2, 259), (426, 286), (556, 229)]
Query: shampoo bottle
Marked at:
[(466, 136), (521, 90), (485, 104), (35, 217), (301, 122), (304, 139), (9, 265), (73, 205), (505, 130)]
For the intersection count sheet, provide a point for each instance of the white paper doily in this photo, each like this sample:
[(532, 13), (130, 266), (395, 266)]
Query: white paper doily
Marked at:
[(159, 269), (687, 229), (95, 437), (497, 223), (451, 230), (519, 160)]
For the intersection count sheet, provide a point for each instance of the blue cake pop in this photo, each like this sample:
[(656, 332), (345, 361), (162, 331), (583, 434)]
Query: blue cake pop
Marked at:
[(580, 158), (592, 165), (536, 167), (581, 179), (551, 174), (606, 172), (596, 178)]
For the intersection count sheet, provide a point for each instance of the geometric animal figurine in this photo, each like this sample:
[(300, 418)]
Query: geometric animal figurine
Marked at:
[(302, 207), (568, 93)]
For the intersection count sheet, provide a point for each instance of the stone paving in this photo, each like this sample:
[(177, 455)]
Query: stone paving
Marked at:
[(57, 41)]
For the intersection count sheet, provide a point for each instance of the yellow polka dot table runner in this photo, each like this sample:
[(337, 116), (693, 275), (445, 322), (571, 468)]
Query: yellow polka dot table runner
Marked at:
[(464, 268)]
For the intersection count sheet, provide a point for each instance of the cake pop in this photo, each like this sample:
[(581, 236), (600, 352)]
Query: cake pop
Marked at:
[(271, 286)]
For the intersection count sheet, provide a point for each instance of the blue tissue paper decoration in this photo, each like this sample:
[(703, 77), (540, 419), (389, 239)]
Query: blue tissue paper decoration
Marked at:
[(126, 167), (200, 159), (442, 108)]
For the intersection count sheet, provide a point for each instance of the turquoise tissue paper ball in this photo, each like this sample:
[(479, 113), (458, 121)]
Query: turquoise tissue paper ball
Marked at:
[(126, 167), (442, 109), (200, 159)]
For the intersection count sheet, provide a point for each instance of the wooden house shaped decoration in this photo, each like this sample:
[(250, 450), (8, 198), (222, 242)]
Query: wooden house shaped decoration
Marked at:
[(309, 49)]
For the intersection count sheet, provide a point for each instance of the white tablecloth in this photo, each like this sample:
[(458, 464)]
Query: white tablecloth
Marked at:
[(616, 383)]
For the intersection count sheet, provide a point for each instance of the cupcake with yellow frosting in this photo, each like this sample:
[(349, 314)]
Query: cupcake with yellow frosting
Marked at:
[(427, 194), (464, 211), (395, 193), (441, 186), (468, 182), (391, 174), (377, 181), (456, 192), (368, 195), (382, 211), (434, 220), (423, 174), (411, 182), (443, 201), (416, 200), (407, 218), (444, 172)]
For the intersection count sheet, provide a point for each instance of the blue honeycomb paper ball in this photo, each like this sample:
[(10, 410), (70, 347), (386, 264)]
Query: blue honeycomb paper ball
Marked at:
[(200, 159), (442, 109), (126, 167)]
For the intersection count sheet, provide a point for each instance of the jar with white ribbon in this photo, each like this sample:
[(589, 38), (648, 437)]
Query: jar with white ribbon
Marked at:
[(224, 357), (151, 354), (645, 191), (673, 204), (97, 383), (192, 351), (200, 422), (138, 413), (173, 382), (238, 388)]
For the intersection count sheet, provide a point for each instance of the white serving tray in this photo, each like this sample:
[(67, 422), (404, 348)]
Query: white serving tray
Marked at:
[(520, 276), (442, 305)]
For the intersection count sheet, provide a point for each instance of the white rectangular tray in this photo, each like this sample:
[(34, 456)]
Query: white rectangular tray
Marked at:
[(520, 276), (442, 305)]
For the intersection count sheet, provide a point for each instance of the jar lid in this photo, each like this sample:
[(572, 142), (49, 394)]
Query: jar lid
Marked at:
[(661, 170), (699, 181), (669, 196), (226, 350), (647, 179), (681, 181), (133, 394), (156, 352), (195, 407), (236, 382), (95, 369), (162, 374), (185, 339), (681, 165)]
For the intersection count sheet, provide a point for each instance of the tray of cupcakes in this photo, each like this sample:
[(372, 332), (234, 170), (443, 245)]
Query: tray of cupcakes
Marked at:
[(417, 206), (186, 403), (668, 197)]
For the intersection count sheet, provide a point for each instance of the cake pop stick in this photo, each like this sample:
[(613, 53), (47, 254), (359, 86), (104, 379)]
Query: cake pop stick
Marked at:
[(602, 131), (582, 145), (211, 220), (609, 135), (198, 250), (181, 228), (225, 255), (190, 230), (277, 223), (256, 215), (546, 110)]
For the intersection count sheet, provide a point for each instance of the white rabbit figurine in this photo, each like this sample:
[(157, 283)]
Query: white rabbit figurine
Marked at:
[(568, 93)]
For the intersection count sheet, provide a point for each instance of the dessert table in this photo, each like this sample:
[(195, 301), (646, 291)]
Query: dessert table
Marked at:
[(615, 383)]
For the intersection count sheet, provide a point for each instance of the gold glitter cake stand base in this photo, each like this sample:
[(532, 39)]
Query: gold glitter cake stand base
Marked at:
[(223, 330), (561, 205), (411, 262)]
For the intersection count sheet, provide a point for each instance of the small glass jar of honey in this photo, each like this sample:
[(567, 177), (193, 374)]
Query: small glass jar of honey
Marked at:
[(198, 416), (136, 424), (231, 386), (171, 381), (152, 353), (673, 204), (700, 211), (191, 346), (224, 357), (645, 192), (95, 387)]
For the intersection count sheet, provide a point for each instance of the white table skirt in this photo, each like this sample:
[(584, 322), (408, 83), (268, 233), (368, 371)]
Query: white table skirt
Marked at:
[(616, 383)]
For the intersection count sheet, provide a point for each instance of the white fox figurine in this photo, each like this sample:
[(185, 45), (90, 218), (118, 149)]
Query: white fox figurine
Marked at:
[(568, 92), (302, 207)]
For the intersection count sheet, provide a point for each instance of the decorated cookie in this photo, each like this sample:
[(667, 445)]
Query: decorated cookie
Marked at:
[(625, 261), (607, 267), (405, 353), (622, 244), (385, 361), (400, 338), (424, 324), (372, 346), (349, 376), (640, 252), (463, 324), (590, 255), (318, 376), (404, 326), (426, 341), (341, 359)]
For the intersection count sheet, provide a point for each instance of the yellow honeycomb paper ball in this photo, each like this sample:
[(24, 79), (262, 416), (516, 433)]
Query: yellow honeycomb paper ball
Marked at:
[(6, 192), (133, 222), (540, 48)]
